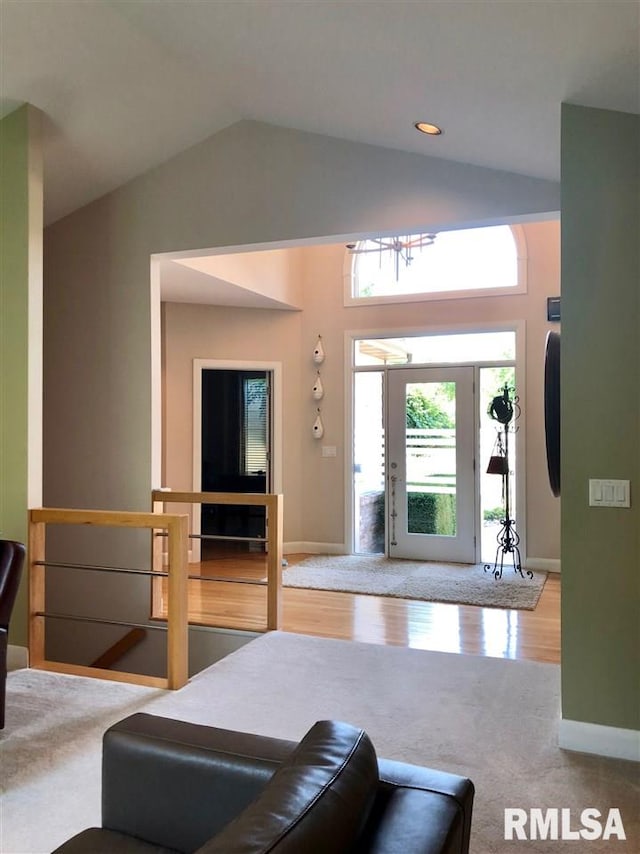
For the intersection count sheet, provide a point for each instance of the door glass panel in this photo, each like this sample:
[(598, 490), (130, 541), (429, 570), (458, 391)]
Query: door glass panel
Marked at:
[(254, 426), (492, 380), (430, 415), (369, 463)]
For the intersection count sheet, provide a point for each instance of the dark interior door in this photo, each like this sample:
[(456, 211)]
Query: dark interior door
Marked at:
[(235, 455)]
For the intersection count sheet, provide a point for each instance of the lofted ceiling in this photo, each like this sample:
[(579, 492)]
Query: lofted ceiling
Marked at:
[(126, 84)]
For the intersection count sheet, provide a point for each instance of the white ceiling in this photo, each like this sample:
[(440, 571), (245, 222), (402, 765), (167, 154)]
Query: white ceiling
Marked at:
[(180, 283), (125, 85)]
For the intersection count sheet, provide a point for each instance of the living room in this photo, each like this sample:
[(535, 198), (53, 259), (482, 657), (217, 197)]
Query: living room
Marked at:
[(257, 184)]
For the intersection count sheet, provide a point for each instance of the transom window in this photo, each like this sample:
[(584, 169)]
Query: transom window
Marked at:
[(469, 262), (452, 348)]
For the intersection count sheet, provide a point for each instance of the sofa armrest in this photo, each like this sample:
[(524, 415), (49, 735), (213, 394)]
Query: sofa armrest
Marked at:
[(176, 784), (419, 809)]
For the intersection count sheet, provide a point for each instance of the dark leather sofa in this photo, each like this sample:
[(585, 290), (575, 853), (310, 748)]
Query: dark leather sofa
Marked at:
[(170, 786), (12, 556)]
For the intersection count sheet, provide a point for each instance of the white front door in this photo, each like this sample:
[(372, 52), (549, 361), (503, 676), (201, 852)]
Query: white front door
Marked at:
[(430, 473)]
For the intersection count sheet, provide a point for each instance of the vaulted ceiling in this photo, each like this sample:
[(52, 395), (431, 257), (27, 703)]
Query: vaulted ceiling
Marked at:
[(126, 84)]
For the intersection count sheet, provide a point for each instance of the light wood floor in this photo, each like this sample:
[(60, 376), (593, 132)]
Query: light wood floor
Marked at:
[(531, 635)]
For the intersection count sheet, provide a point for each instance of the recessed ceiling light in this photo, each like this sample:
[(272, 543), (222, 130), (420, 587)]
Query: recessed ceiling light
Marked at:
[(427, 127)]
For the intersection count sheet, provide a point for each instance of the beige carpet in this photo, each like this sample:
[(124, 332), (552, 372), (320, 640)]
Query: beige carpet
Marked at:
[(493, 720), (459, 583)]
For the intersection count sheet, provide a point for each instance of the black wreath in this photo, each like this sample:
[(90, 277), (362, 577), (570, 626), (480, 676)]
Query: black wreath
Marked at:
[(501, 407)]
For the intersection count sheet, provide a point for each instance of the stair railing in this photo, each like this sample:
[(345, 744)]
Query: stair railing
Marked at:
[(273, 541), (175, 527)]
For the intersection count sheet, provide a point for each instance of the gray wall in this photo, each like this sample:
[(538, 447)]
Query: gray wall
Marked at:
[(600, 388), (250, 184)]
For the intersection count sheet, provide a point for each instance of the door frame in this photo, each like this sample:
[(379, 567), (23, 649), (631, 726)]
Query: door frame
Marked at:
[(352, 335), (276, 418)]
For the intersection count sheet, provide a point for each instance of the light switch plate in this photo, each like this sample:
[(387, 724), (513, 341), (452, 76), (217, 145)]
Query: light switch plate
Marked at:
[(609, 493), (329, 450)]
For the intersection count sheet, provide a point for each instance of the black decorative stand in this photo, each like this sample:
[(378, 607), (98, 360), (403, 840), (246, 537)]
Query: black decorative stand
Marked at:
[(503, 409)]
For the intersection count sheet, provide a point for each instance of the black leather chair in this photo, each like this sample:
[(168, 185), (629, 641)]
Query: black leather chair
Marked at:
[(170, 787), (11, 563)]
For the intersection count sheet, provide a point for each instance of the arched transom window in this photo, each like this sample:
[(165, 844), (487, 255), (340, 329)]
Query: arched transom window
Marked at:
[(468, 262)]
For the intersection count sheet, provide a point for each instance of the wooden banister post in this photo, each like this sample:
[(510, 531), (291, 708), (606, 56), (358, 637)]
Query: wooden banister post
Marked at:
[(36, 582), (177, 605), (274, 562)]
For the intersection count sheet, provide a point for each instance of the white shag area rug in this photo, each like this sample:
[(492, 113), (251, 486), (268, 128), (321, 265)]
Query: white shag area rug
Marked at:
[(459, 583), (492, 720)]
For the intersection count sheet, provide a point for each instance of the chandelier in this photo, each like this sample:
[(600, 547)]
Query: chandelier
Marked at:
[(401, 246)]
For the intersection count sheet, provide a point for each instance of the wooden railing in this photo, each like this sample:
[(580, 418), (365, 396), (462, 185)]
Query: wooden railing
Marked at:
[(272, 541), (176, 528)]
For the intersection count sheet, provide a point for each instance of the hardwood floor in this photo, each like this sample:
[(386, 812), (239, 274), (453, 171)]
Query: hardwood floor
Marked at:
[(528, 635)]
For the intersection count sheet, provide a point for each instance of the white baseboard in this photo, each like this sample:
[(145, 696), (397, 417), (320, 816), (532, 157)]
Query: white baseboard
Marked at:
[(17, 657), (601, 740), (543, 564), (315, 548)]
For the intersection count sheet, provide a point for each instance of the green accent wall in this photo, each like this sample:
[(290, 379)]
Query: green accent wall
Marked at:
[(17, 260), (600, 406)]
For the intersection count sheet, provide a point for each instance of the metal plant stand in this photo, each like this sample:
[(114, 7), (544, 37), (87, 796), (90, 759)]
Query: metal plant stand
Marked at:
[(503, 409)]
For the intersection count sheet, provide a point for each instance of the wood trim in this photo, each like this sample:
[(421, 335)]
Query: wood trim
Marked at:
[(177, 621), (256, 499), (99, 673), (155, 592), (37, 535), (176, 526), (274, 562), (271, 502), (107, 518)]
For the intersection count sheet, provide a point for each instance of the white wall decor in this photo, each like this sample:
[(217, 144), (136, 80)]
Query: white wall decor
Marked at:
[(318, 427), (318, 353), (318, 388)]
